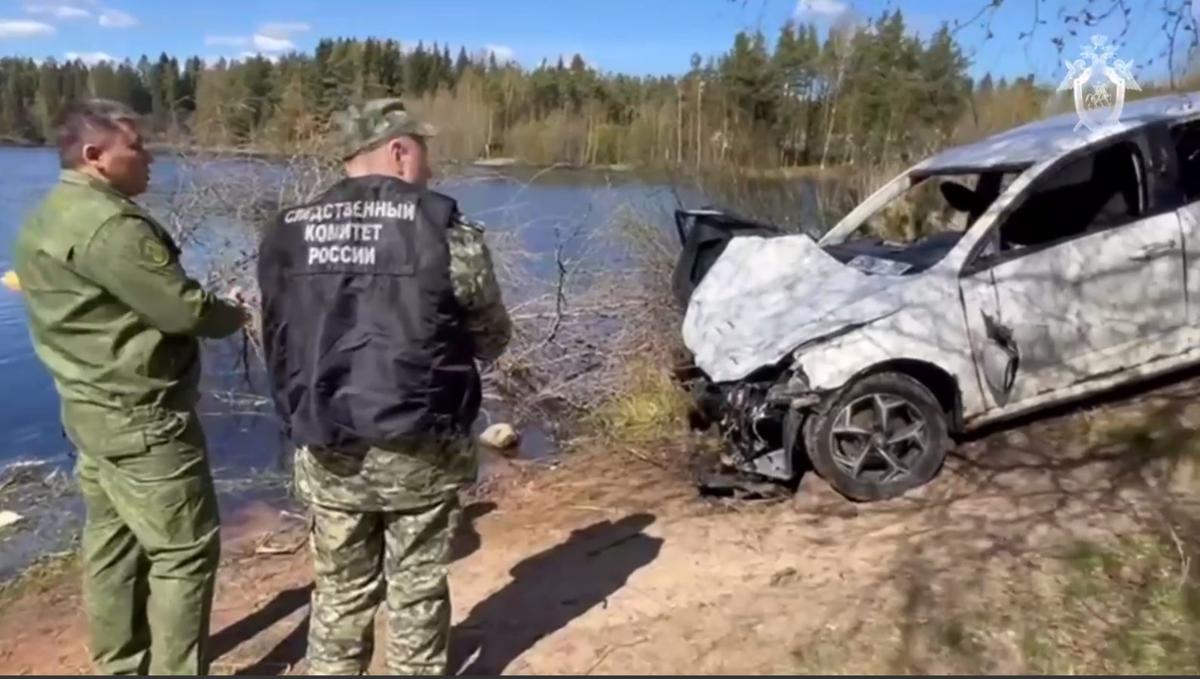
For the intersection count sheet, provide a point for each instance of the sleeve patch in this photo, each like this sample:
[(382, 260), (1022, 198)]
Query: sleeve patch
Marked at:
[(154, 252)]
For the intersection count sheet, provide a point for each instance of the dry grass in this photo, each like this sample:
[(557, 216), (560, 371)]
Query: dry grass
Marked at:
[(652, 408)]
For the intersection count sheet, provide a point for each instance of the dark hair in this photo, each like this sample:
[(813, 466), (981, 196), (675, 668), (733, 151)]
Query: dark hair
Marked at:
[(83, 121)]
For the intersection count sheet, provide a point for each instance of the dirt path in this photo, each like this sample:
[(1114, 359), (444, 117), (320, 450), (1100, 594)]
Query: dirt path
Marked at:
[(1063, 545)]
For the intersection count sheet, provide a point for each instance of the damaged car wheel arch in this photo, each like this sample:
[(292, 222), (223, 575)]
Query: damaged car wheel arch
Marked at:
[(935, 378), (879, 437)]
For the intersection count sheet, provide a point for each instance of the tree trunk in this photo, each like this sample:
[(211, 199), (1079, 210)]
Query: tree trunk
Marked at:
[(700, 125), (830, 121), (679, 128)]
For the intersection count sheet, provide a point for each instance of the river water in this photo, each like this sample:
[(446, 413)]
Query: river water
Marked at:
[(248, 456)]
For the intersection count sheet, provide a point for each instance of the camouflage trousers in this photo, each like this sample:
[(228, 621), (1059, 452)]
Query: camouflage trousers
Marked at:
[(382, 524), (362, 559)]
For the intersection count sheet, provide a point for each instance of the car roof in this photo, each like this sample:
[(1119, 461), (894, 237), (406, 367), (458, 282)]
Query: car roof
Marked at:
[(1050, 138)]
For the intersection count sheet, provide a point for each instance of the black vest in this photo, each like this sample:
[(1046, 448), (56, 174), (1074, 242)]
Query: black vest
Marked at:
[(365, 342)]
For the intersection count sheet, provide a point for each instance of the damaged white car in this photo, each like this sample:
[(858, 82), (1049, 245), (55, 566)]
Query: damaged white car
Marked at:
[(1056, 263)]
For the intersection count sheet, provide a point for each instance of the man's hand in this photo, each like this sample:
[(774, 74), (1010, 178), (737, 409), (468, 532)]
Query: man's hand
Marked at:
[(236, 295), (237, 298)]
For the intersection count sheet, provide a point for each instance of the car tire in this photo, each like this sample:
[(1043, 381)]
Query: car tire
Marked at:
[(879, 437)]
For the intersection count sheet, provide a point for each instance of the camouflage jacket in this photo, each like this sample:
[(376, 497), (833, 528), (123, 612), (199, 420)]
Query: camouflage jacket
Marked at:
[(474, 279)]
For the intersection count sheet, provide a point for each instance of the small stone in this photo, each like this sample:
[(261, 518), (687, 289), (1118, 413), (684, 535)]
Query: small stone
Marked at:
[(8, 518), (500, 436), (785, 577)]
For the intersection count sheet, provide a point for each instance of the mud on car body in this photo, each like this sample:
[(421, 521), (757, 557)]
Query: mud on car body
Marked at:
[(1037, 266)]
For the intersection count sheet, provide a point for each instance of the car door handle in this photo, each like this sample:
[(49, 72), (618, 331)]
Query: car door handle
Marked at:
[(1150, 252)]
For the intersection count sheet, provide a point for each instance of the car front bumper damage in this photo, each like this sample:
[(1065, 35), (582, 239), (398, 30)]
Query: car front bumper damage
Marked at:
[(760, 421)]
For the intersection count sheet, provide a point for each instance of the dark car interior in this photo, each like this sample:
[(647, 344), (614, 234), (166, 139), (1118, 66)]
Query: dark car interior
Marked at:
[(929, 249), (1187, 146), (1094, 192)]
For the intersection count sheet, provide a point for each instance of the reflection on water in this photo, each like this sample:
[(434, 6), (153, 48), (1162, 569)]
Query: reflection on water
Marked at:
[(250, 459), (242, 433)]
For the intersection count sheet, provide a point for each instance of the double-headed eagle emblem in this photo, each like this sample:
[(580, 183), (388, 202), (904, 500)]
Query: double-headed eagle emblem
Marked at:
[(1099, 65)]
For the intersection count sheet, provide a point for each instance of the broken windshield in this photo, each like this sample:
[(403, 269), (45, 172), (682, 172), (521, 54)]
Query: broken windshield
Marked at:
[(918, 227)]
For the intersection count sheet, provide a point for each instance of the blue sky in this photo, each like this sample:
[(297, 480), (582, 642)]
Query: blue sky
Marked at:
[(633, 36)]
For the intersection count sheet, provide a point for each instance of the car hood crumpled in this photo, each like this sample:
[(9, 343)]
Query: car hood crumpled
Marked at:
[(764, 297)]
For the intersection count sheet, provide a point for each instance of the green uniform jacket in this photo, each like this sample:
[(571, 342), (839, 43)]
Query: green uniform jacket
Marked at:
[(112, 314)]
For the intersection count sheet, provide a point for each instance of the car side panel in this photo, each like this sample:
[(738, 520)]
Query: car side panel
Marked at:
[(930, 328)]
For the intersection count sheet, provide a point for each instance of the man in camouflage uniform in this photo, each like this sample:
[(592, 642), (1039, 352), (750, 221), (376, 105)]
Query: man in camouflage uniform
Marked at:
[(115, 319), (378, 297)]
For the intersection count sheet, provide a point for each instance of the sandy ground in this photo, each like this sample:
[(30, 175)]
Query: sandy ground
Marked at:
[(610, 563)]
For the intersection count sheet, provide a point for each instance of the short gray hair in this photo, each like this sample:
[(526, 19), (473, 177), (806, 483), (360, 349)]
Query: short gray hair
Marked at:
[(80, 123)]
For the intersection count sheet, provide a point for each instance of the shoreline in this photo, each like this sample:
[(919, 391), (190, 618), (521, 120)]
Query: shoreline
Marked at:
[(783, 173)]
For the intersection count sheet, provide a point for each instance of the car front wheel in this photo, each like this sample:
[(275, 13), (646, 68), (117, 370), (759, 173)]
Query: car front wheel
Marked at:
[(880, 437)]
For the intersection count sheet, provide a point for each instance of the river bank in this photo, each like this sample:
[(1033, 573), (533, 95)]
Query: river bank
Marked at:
[(1061, 546), (529, 217), (509, 163)]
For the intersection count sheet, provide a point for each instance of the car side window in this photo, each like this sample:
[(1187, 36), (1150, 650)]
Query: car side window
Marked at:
[(1186, 141), (1098, 191)]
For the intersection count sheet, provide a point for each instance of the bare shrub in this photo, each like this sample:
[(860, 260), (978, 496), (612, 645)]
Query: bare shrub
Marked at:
[(605, 303), (606, 308)]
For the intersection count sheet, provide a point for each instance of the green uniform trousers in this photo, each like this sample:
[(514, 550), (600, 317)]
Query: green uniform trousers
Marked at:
[(363, 558), (151, 543)]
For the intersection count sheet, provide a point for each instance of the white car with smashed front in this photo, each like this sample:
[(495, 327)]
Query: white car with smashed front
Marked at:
[(1054, 263)]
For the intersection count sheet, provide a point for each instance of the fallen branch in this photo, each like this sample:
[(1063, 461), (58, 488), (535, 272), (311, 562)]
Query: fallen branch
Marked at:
[(262, 549), (608, 650)]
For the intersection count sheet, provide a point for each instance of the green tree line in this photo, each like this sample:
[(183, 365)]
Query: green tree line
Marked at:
[(852, 94)]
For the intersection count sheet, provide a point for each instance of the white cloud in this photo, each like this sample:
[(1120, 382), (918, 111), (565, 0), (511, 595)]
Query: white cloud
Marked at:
[(24, 29), (284, 29), (270, 39), (822, 8), (503, 53), (90, 58), (57, 11), (267, 43), (115, 18), (226, 41)]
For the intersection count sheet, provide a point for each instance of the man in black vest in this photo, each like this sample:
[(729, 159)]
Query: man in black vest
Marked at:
[(378, 297)]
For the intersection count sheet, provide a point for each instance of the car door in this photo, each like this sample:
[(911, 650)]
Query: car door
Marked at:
[(1094, 297), (1183, 159)]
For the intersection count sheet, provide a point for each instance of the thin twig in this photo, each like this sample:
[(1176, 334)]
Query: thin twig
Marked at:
[(291, 548), (1185, 561), (608, 650), (642, 456)]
